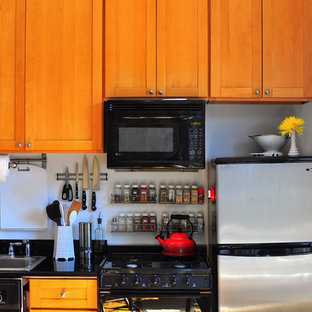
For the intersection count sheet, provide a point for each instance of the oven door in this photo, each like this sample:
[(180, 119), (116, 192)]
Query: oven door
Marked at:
[(155, 301), (11, 297)]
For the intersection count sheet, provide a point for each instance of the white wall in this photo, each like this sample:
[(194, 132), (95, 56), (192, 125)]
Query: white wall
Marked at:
[(227, 131)]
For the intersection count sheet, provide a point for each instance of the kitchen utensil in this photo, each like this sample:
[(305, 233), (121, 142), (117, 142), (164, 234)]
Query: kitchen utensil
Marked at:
[(77, 181), (62, 214), (53, 212), (178, 244), (95, 182), (270, 143), (85, 182), (72, 217), (85, 239), (67, 192), (75, 206)]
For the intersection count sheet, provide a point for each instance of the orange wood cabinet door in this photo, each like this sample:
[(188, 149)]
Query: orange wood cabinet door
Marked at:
[(130, 48), (63, 294), (12, 34), (236, 49), (182, 48), (287, 48), (63, 87)]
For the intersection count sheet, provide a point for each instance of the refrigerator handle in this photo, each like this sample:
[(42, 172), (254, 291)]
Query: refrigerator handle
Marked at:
[(212, 194)]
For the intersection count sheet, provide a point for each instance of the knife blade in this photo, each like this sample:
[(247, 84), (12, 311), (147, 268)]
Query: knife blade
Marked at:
[(85, 182), (77, 180), (95, 182)]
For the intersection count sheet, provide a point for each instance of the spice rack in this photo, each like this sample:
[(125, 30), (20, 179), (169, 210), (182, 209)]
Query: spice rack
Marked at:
[(135, 199)]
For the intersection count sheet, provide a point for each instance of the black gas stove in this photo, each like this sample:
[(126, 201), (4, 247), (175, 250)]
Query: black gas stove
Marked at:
[(146, 271)]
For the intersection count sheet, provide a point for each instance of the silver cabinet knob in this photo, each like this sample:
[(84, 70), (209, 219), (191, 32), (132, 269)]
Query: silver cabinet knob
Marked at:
[(19, 144), (63, 294), (161, 92), (151, 92), (257, 92), (29, 144), (267, 92)]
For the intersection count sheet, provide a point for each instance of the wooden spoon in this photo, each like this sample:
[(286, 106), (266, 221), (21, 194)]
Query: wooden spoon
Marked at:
[(75, 206)]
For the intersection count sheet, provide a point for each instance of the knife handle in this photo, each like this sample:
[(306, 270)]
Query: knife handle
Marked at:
[(77, 196), (84, 200), (93, 208)]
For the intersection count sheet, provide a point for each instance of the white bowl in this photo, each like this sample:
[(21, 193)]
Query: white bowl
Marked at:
[(270, 143)]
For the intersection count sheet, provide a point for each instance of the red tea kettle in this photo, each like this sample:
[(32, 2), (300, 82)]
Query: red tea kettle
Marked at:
[(178, 244)]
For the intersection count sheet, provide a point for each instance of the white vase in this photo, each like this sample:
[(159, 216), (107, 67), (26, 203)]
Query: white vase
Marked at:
[(293, 151)]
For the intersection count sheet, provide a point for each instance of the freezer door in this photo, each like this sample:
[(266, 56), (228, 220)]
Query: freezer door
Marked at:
[(265, 284), (264, 203)]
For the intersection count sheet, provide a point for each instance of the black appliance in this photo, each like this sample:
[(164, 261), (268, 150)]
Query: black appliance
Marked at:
[(155, 134), (143, 281), (11, 295)]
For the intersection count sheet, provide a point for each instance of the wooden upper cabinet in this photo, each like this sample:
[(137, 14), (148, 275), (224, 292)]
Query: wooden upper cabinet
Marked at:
[(287, 48), (134, 67), (63, 84), (236, 49), (12, 32), (130, 48), (182, 48)]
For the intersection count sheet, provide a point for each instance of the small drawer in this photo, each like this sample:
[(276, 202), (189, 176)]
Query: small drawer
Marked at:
[(63, 293)]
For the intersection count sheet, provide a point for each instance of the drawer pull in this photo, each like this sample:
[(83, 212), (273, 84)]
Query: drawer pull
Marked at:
[(63, 294)]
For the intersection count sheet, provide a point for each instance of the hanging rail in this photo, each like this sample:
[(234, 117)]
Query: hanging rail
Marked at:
[(14, 162)]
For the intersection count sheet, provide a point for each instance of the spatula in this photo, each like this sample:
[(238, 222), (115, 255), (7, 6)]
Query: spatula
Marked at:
[(75, 206), (53, 212)]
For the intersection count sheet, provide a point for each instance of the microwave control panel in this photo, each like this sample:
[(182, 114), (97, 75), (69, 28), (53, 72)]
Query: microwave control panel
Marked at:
[(196, 141)]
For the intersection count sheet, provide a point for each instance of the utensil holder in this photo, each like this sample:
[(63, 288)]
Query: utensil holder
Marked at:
[(64, 243)]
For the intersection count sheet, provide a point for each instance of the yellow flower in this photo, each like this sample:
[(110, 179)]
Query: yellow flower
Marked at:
[(290, 124)]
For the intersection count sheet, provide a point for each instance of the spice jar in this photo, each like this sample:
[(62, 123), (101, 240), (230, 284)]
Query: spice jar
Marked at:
[(162, 194), (201, 193), (171, 193), (126, 193), (122, 222), (200, 222), (184, 223), (114, 225), (145, 222), (129, 222), (194, 194), (137, 222), (117, 193), (151, 193), (143, 194), (192, 220), (186, 194), (135, 193), (164, 221), (153, 222), (178, 194)]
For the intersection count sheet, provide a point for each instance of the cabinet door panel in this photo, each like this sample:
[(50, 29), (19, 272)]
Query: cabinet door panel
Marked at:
[(287, 36), (130, 48), (182, 48), (236, 48), (12, 32), (64, 75)]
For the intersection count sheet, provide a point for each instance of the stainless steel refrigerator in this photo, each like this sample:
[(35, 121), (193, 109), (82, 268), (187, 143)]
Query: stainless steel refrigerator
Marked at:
[(264, 234)]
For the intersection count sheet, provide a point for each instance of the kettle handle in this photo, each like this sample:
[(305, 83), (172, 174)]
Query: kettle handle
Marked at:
[(180, 217)]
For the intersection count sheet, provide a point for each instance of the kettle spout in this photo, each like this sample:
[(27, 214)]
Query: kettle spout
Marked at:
[(160, 240)]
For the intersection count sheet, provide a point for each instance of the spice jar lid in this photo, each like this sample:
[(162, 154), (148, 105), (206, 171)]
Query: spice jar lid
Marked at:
[(186, 186), (122, 214), (152, 214), (137, 214), (163, 186), (191, 214), (178, 186), (151, 186), (135, 185), (143, 185), (165, 214), (126, 186), (118, 185), (199, 214), (145, 214), (171, 186), (194, 186)]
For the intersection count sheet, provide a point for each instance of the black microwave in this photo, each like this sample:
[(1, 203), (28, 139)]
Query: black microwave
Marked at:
[(159, 134)]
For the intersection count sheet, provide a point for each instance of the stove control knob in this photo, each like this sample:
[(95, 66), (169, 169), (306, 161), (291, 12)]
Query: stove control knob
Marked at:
[(187, 280), (174, 280), (138, 280), (156, 280), (124, 280)]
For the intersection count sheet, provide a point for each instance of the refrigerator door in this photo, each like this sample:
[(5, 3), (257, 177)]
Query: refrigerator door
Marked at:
[(264, 203), (265, 284)]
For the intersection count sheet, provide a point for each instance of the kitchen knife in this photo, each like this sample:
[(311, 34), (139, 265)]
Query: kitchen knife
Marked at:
[(85, 182), (77, 181), (95, 182)]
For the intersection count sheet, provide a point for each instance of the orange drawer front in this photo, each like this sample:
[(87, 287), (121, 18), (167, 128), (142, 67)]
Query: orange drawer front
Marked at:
[(63, 293)]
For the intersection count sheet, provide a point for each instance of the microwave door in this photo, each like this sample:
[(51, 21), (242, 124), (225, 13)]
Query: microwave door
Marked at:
[(154, 141)]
